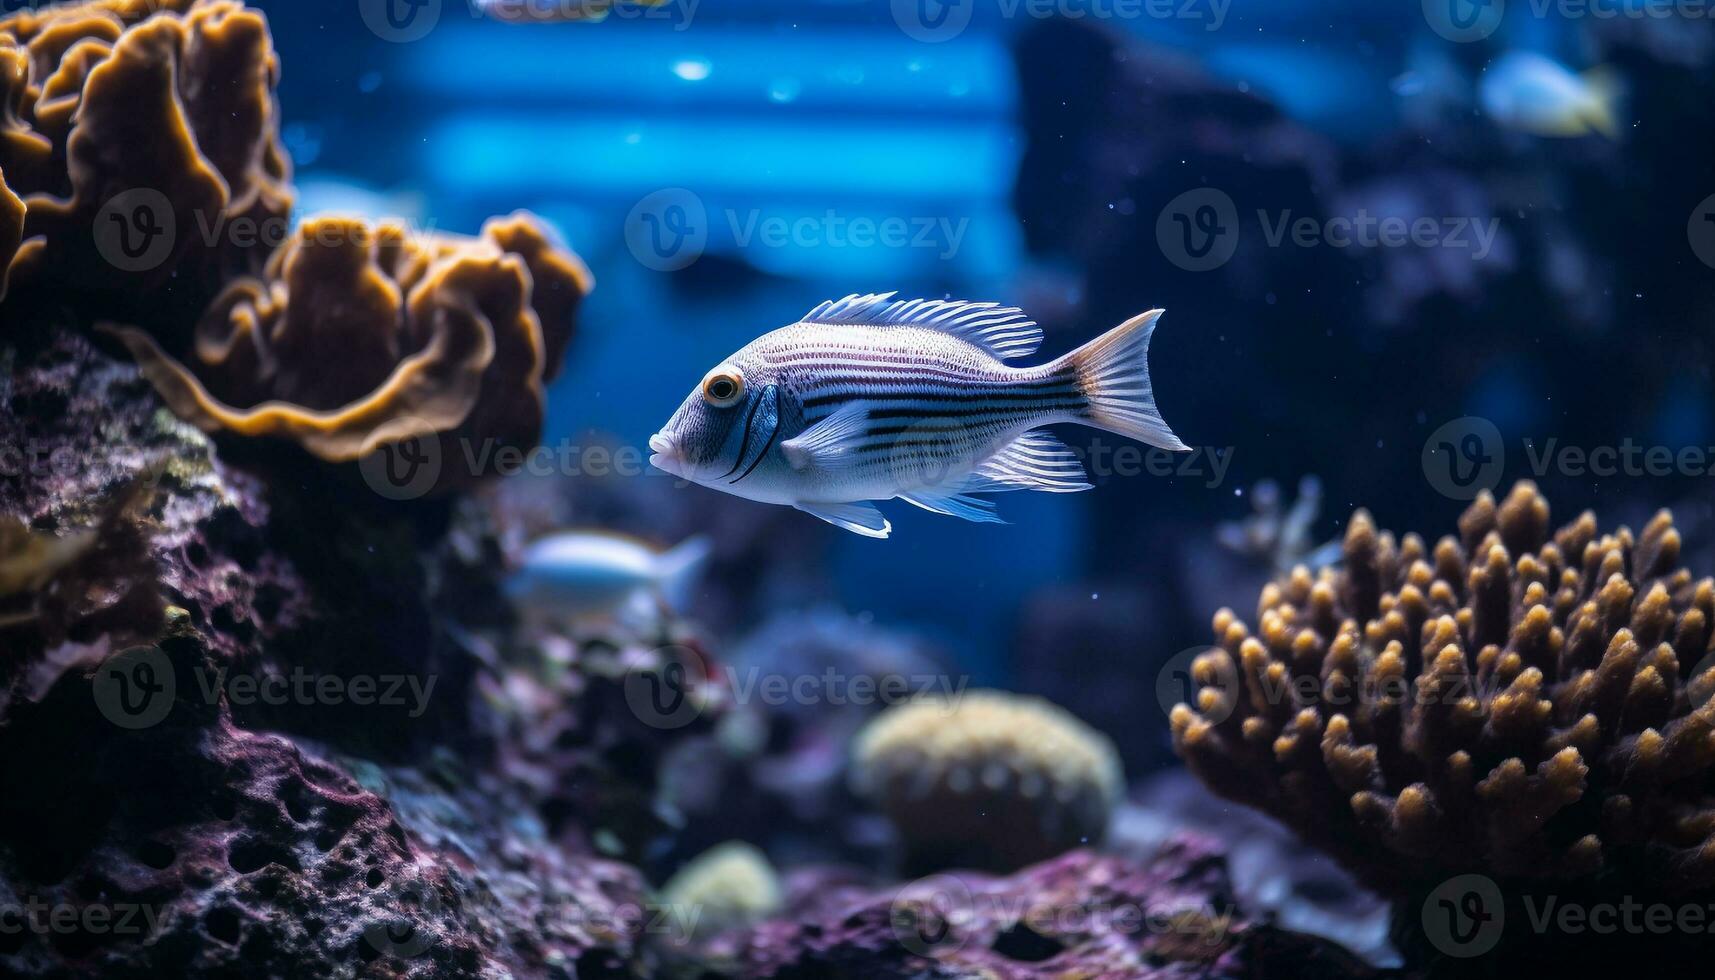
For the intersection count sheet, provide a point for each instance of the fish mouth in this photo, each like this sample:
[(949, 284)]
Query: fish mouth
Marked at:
[(665, 453)]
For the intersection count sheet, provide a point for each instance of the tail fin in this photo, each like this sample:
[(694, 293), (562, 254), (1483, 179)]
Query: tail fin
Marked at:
[(676, 571), (1113, 371), (1606, 90)]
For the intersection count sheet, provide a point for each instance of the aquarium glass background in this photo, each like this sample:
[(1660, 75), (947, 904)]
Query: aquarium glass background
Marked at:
[(962, 141)]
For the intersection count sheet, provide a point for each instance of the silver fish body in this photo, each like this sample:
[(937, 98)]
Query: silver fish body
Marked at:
[(578, 573), (868, 399)]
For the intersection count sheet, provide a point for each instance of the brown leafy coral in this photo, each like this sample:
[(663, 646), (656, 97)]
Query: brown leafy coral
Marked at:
[(357, 336), (159, 114), (1516, 702), (141, 178)]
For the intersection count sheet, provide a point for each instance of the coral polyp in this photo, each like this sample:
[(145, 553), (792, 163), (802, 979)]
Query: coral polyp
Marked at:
[(1528, 705), (988, 780)]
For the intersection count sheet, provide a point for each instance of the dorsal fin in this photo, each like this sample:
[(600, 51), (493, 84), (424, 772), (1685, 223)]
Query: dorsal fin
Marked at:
[(1003, 331)]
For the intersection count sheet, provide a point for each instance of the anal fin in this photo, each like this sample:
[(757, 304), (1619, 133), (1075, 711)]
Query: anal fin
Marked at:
[(1036, 460)]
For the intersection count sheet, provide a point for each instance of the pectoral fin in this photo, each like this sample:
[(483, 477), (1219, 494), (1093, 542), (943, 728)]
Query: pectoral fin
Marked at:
[(829, 443), (858, 517)]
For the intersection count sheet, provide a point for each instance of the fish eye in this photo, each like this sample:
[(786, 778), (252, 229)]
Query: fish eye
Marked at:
[(724, 386)]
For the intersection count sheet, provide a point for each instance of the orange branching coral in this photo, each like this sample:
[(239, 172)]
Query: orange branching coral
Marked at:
[(1530, 705), (358, 336), (140, 139)]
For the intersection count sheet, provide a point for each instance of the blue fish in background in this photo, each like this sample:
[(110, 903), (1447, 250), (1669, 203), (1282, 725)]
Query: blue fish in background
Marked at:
[(1533, 94), (576, 574)]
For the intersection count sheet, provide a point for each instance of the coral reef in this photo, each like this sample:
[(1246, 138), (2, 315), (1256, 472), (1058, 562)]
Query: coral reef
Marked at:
[(987, 780), (440, 842), (1528, 705), (1274, 876), (781, 763), (212, 846), (1079, 915), (727, 886), (143, 184), (140, 165), (1278, 537), (359, 337)]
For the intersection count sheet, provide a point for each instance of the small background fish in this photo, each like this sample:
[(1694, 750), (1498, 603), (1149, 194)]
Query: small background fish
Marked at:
[(588, 573), (870, 398), (1536, 95)]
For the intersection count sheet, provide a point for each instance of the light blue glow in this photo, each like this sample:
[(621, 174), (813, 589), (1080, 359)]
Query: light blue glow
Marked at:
[(577, 151), (868, 70), (1311, 84)]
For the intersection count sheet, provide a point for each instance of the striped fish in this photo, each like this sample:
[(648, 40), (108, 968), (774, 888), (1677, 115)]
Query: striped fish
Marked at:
[(871, 398)]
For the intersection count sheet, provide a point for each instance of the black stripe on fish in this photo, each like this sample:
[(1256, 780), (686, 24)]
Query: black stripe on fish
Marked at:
[(1055, 394), (744, 440), (772, 435)]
